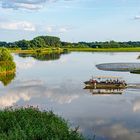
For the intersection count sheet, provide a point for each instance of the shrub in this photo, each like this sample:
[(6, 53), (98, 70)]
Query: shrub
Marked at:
[(32, 124), (6, 61)]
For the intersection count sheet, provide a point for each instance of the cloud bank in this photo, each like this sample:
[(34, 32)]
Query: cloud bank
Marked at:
[(25, 4), (18, 25)]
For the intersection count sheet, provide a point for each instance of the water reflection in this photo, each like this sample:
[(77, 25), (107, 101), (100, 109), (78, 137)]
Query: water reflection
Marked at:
[(112, 119), (118, 132), (31, 89), (105, 91), (7, 78), (43, 57), (58, 86)]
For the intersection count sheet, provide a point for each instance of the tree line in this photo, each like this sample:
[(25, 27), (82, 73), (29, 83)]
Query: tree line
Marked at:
[(107, 44), (37, 42), (55, 42)]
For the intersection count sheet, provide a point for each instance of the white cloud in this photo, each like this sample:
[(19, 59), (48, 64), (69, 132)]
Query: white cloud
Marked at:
[(137, 17), (63, 29), (49, 29), (29, 26), (23, 4), (55, 28), (17, 25)]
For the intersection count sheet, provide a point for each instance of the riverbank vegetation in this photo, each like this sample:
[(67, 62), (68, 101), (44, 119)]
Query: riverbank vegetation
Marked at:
[(136, 49), (32, 124), (50, 44), (7, 64), (38, 51)]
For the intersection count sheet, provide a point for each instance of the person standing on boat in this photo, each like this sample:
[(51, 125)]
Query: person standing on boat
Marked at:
[(95, 83)]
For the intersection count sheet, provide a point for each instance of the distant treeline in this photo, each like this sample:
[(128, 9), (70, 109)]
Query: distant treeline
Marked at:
[(107, 44), (55, 42)]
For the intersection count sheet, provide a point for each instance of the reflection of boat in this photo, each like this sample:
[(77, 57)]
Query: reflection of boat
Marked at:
[(105, 82), (105, 91)]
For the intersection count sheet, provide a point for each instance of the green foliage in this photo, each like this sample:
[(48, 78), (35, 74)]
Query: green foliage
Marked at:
[(7, 66), (42, 57), (5, 55), (54, 42), (32, 124), (110, 44), (38, 42), (6, 61), (106, 49), (7, 78), (51, 41), (23, 44)]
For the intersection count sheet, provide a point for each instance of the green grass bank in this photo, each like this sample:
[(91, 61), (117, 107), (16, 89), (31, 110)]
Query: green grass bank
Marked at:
[(43, 51), (32, 124), (61, 50), (137, 49)]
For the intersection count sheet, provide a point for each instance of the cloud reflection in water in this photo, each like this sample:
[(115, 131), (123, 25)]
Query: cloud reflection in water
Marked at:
[(27, 90)]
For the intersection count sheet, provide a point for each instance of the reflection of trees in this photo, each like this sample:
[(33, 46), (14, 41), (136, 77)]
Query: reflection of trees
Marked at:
[(43, 57), (7, 78)]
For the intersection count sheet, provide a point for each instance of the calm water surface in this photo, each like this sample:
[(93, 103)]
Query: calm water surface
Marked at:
[(58, 85)]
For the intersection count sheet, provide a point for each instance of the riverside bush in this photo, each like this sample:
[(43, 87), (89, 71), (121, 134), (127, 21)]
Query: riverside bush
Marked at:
[(32, 124)]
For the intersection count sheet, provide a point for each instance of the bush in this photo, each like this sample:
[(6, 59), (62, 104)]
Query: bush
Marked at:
[(5, 55), (32, 124), (6, 61)]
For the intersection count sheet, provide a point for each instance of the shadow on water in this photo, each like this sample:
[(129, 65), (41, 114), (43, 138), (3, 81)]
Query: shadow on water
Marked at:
[(7, 78)]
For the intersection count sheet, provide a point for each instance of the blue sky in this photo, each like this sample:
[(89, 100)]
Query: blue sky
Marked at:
[(71, 20)]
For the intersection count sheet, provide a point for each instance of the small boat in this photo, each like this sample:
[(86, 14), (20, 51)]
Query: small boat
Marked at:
[(105, 82)]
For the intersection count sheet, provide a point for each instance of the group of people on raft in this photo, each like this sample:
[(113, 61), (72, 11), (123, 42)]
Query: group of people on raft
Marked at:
[(107, 81)]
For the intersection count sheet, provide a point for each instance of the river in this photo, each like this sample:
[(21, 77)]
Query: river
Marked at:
[(57, 84)]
